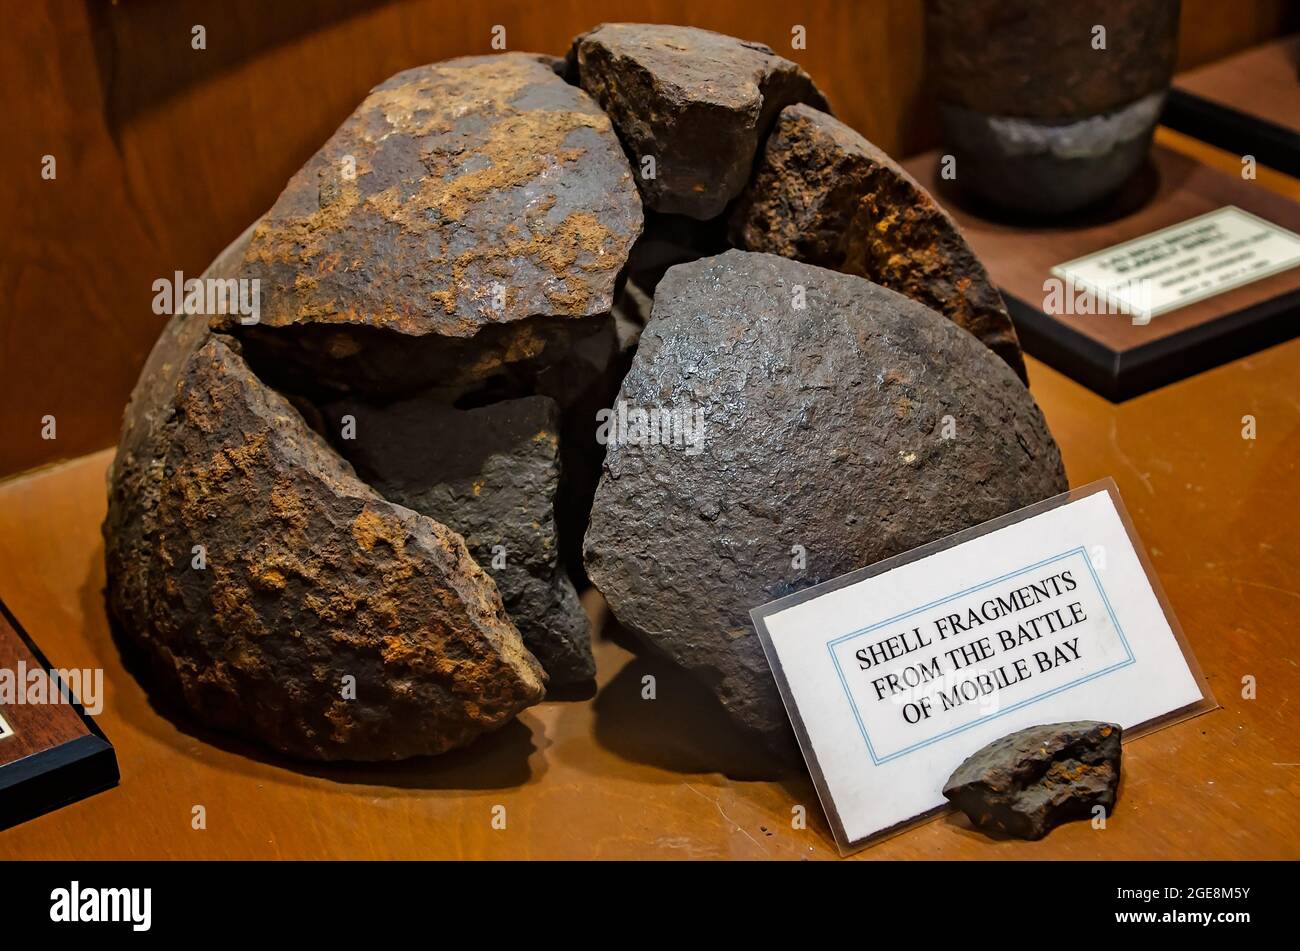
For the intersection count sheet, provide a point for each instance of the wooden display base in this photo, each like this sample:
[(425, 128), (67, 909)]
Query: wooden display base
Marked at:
[(1109, 353), (51, 753), (1248, 104)]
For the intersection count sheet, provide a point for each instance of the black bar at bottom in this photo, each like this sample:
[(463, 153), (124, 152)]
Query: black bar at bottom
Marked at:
[(966, 900)]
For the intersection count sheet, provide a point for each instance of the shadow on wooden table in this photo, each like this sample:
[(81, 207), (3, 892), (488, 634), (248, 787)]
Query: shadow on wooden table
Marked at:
[(683, 729)]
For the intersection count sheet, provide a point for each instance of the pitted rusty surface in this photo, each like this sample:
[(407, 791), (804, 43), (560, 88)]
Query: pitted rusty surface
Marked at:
[(311, 584), (1038, 58), (696, 102), (822, 427), (476, 191), (490, 473), (1028, 782), (823, 194)]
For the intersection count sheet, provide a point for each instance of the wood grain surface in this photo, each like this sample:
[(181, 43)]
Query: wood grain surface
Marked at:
[(165, 153), (1261, 82)]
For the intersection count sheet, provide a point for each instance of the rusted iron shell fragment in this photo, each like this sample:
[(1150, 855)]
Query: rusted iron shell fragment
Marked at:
[(1029, 782), (460, 201), (490, 473), (280, 597), (829, 423), (690, 105), (823, 194)]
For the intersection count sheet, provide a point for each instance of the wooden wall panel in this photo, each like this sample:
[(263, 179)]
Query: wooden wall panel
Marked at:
[(165, 153), (1212, 29)]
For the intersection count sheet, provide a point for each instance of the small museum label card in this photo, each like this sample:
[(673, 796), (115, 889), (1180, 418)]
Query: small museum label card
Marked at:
[(1184, 263), (894, 674)]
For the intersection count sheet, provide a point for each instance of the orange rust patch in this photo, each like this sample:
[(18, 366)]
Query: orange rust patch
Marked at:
[(272, 578), (422, 169), (370, 527)]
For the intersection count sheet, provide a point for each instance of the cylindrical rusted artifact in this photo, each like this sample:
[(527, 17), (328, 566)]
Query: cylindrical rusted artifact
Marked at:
[(1049, 106)]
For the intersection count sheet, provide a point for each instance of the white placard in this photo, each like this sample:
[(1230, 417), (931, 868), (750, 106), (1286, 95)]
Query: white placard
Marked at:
[(893, 679), (1184, 263)]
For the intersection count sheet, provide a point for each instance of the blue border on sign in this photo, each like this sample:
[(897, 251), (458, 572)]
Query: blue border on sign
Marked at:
[(857, 715)]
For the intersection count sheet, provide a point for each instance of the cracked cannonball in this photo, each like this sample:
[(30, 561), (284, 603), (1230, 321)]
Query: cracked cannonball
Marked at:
[(350, 524)]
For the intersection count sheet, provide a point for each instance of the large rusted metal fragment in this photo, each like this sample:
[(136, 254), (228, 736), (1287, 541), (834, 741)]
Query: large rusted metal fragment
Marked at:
[(459, 201), (690, 105), (826, 423), (490, 473), (279, 596), (823, 194)]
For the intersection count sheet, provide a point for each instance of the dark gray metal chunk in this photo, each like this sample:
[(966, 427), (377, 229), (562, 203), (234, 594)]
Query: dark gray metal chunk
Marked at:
[(1031, 781), (491, 474), (695, 102), (842, 423)]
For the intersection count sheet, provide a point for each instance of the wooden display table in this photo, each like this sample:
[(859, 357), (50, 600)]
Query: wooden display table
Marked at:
[(1248, 104)]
